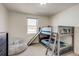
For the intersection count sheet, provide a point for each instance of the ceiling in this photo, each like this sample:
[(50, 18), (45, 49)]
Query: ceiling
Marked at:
[(38, 9)]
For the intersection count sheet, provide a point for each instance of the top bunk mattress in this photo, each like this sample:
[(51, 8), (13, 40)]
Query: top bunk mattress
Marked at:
[(46, 30)]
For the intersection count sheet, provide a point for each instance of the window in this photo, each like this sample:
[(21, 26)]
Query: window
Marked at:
[(31, 25)]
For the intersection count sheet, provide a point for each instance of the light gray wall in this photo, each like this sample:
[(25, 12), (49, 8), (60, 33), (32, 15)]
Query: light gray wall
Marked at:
[(3, 19), (68, 17)]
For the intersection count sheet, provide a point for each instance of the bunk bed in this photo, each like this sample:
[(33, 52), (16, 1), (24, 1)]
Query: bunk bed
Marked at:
[(53, 41), (64, 47)]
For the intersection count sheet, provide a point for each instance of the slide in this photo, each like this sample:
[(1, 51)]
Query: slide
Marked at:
[(33, 39)]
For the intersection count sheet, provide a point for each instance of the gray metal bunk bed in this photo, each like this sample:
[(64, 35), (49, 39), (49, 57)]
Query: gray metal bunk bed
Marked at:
[(52, 40)]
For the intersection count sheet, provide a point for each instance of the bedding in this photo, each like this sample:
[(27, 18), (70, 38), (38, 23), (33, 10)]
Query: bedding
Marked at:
[(64, 47)]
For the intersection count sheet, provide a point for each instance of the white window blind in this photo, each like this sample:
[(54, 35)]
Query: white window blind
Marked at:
[(31, 25)]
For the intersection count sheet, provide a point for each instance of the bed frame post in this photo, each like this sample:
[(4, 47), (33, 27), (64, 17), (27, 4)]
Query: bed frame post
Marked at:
[(58, 44), (39, 34), (73, 39)]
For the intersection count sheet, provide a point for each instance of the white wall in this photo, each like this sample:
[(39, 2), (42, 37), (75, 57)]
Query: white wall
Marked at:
[(3, 19), (18, 24), (69, 17)]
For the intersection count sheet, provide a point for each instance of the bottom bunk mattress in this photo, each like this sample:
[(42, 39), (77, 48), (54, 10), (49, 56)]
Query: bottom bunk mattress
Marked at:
[(64, 47), (46, 42)]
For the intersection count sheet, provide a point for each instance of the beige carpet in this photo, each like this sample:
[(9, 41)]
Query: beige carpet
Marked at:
[(38, 50)]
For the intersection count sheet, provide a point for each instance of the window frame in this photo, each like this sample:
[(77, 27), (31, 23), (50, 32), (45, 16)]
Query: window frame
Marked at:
[(31, 25)]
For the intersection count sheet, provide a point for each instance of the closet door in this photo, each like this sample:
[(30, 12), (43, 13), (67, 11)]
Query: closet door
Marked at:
[(3, 44)]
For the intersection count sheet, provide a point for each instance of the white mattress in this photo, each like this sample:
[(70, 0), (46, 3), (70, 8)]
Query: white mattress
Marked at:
[(47, 33)]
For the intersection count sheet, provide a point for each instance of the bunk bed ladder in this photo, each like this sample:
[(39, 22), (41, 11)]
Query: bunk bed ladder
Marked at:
[(48, 47), (53, 48)]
